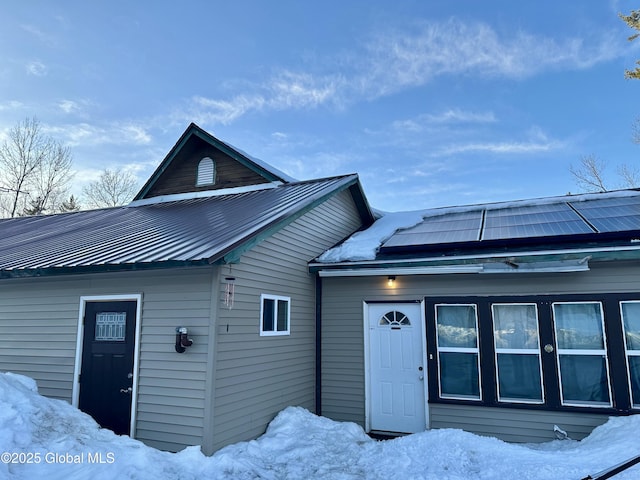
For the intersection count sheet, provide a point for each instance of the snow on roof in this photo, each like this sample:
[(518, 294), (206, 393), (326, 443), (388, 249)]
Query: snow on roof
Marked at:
[(174, 197), (364, 245), (47, 438), (261, 163)]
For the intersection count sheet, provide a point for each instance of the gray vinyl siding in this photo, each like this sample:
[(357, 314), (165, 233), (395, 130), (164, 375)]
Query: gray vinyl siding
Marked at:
[(231, 382), (343, 376), (38, 335), (512, 424), (256, 377), (41, 316)]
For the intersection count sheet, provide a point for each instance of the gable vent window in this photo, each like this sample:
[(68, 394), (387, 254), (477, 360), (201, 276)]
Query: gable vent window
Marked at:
[(206, 172)]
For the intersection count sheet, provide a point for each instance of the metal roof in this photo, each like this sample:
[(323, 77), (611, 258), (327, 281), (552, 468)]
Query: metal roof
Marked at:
[(168, 233), (543, 220)]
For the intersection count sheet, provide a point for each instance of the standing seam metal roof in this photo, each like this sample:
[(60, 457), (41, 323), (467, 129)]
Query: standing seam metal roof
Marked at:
[(194, 231)]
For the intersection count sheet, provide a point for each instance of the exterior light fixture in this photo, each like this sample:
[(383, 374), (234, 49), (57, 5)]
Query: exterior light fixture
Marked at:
[(391, 280), (181, 339)]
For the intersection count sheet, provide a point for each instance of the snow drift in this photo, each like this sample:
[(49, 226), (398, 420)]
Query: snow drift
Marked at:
[(45, 438)]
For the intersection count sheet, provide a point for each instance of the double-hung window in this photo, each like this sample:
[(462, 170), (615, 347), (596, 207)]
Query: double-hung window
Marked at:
[(275, 312), (458, 352), (517, 349), (630, 311), (582, 354)]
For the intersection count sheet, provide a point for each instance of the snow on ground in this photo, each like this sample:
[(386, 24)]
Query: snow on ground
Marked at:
[(49, 439)]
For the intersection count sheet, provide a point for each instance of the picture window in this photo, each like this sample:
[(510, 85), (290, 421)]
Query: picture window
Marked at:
[(631, 324), (458, 351), (582, 354), (518, 364)]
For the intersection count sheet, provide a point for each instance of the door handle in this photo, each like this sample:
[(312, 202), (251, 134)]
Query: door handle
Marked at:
[(126, 390)]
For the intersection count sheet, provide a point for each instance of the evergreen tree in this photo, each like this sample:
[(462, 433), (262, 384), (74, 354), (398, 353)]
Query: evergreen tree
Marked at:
[(70, 205), (633, 20)]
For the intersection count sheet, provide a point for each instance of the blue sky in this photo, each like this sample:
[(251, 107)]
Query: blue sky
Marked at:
[(433, 103)]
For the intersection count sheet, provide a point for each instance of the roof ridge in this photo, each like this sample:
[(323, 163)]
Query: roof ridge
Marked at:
[(323, 179)]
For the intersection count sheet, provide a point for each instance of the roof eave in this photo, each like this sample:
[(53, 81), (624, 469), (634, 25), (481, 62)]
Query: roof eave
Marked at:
[(99, 268), (374, 267)]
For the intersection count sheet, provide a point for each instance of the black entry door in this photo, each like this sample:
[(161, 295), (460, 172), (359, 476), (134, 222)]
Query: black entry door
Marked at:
[(106, 376)]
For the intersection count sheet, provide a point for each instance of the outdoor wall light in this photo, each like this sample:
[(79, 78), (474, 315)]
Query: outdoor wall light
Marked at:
[(181, 339), (391, 280)]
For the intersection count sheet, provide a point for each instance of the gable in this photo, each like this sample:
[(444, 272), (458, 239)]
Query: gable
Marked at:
[(181, 175), (200, 162)]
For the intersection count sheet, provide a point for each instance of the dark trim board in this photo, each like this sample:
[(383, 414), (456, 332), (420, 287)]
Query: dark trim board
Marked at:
[(618, 371)]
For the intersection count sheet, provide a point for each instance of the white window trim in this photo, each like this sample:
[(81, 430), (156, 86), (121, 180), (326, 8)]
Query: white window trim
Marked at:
[(595, 353), (75, 393), (635, 403), (275, 332), (517, 351), (475, 351)]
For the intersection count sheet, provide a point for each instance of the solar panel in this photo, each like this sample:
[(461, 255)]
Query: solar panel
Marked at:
[(611, 214), (540, 220), (448, 228), (519, 221)]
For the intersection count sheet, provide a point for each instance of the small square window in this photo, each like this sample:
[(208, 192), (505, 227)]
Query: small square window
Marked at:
[(110, 326), (274, 315)]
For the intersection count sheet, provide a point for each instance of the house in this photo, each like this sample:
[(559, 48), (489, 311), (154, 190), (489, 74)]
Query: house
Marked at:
[(188, 316), (517, 320)]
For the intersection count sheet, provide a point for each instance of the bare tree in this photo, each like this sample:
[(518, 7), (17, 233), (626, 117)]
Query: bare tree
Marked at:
[(589, 174), (35, 171), (113, 188), (630, 176)]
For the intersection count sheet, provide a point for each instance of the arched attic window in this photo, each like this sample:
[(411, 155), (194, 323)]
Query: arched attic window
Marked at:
[(206, 172)]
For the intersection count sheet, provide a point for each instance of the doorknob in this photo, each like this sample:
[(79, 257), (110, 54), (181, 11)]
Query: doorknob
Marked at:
[(126, 390)]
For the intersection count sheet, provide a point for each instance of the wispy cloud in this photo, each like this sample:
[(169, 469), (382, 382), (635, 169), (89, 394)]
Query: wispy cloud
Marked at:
[(284, 91), (538, 142), (452, 116), (11, 105), (36, 32), (74, 107), (399, 60), (395, 60), (498, 147), (36, 68), (85, 134), (455, 115)]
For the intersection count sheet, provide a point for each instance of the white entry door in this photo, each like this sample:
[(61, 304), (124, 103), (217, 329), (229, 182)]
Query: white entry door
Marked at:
[(397, 373)]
